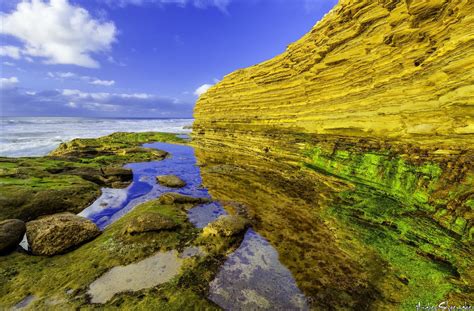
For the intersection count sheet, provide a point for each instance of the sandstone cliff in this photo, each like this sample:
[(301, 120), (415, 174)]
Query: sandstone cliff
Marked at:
[(359, 136), (401, 69)]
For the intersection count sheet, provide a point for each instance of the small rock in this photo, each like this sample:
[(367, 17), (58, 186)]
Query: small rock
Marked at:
[(171, 181), (176, 198), (58, 233), (149, 221), (226, 225), (11, 234)]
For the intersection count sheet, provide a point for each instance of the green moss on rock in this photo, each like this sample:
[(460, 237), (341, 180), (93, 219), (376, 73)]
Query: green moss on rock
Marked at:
[(70, 178), (64, 279)]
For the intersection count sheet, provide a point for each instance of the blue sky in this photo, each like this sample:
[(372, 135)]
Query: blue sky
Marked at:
[(136, 58)]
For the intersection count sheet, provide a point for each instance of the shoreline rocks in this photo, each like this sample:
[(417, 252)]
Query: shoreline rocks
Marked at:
[(149, 221), (171, 181), (226, 225), (58, 233), (176, 198), (11, 234)]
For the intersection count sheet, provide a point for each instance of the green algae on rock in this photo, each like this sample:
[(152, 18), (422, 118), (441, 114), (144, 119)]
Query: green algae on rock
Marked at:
[(70, 178), (149, 222), (55, 234), (171, 181), (360, 135), (66, 278)]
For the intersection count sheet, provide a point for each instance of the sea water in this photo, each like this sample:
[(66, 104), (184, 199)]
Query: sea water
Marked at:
[(28, 136)]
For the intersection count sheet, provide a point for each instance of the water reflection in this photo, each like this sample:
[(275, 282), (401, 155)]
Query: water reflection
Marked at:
[(114, 203), (253, 278)]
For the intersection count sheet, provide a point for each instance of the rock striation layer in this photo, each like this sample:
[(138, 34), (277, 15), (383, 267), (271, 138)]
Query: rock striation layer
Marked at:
[(389, 69), (353, 149)]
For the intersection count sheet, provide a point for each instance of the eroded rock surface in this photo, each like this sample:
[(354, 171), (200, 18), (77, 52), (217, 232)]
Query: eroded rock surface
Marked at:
[(353, 150), (171, 181), (226, 225), (11, 234), (56, 234), (149, 221), (176, 198)]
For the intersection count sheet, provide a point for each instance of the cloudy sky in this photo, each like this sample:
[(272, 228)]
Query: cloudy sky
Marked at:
[(135, 58)]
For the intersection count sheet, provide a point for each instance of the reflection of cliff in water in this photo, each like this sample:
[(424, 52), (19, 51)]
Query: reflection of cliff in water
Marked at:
[(339, 258)]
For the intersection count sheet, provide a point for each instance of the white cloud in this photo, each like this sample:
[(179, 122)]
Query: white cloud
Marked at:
[(10, 51), (20, 101), (103, 82), (203, 88), (6, 83), (57, 31), (71, 75), (8, 64)]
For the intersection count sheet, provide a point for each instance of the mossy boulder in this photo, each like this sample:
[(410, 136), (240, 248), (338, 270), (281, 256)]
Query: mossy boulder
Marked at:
[(11, 234), (226, 225), (56, 234), (149, 221), (170, 198), (171, 181)]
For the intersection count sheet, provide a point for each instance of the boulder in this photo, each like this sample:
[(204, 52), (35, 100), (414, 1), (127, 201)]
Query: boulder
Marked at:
[(149, 221), (58, 233), (226, 225), (11, 234), (176, 198), (171, 181)]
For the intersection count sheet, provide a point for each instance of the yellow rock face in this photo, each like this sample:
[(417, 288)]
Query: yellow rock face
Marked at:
[(359, 137), (390, 69)]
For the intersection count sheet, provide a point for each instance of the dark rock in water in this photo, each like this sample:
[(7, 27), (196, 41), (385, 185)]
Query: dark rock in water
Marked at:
[(56, 234), (149, 221), (107, 176), (176, 198), (171, 181), (11, 234), (226, 225)]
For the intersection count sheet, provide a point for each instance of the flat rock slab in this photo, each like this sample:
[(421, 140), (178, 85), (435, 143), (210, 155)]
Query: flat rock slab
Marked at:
[(157, 269), (176, 198), (148, 222), (11, 234), (56, 234), (171, 181)]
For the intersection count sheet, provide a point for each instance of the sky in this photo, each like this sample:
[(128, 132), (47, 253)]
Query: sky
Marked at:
[(136, 58)]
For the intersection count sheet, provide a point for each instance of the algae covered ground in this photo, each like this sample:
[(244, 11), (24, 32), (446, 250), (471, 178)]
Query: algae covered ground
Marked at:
[(70, 178), (61, 282), (358, 226)]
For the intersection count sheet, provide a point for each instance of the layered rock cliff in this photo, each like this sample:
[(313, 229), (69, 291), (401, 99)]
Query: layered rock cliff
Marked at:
[(391, 69), (357, 138)]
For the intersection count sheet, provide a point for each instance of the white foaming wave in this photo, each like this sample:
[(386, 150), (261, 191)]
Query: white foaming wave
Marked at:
[(21, 137)]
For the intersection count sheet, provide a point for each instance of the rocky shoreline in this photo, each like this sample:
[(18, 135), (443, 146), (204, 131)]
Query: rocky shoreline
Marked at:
[(68, 252)]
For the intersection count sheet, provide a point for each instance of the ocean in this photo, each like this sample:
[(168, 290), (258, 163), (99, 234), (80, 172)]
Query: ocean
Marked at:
[(37, 136)]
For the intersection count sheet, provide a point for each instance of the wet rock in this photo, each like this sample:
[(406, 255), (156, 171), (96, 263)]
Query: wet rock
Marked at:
[(11, 234), (149, 221), (56, 234), (171, 181), (176, 198), (226, 225)]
